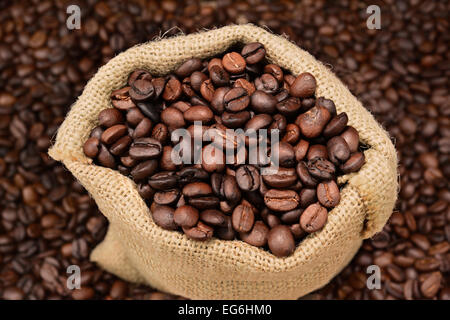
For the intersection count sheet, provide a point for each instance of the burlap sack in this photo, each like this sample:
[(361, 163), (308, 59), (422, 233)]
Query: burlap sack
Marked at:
[(137, 250)]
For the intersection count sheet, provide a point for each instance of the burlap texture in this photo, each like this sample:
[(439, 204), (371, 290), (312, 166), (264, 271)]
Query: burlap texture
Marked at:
[(137, 250)]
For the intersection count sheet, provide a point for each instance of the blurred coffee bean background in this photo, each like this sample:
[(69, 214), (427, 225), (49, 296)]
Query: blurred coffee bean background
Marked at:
[(400, 72)]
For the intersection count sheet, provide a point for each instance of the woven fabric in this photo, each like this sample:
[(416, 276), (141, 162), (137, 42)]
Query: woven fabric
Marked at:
[(137, 250)]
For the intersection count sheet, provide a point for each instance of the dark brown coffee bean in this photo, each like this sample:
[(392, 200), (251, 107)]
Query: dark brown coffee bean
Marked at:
[(121, 99), (281, 241), (430, 286), (351, 137), (145, 148), (160, 133), (149, 111), (172, 90), (113, 133), (233, 62), (307, 197), (91, 147), (144, 169), (105, 158), (267, 83), (275, 71), (328, 194), (328, 104), (134, 116), (281, 178), (259, 121), (143, 129), (354, 163), (166, 197), (230, 190), (214, 218), (163, 217), (321, 168), (243, 83), (243, 218), (281, 200), (186, 216), (227, 232), (317, 151), (159, 85), (163, 180), (219, 76), (305, 177), (142, 87), (313, 121), (120, 146), (262, 102), (292, 134), (257, 236), (291, 217), (247, 177), (200, 232), (313, 218), (109, 117), (236, 99), (197, 79), (336, 125), (188, 67), (338, 150), (197, 189), (304, 86), (207, 90), (286, 154), (217, 102), (297, 231), (191, 174), (235, 120), (279, 123), (253, 52), (300, 149), (289, 107), (198, 113)]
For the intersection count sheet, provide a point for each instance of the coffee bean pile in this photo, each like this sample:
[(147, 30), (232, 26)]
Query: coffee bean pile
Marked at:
[(399, 72), (225, 196)]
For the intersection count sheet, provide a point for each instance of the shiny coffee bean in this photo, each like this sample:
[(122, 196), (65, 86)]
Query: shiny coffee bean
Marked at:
[(262, 102), (281, 200), (328, 194), (186, 216), (236, 99), (248, 178), (253, 52), (144, 169), (110, 117), (313, 218), (233, 62), (354, 163), (336, 125), (145, 148), (338, 150), (321, 168), (214, 218), (188, 67), (313, 121), (201, 232), (304, 86), (163, 217), (281, 178), (351, 137), (243, 218), (91, 147), (281, 241), (257, 236)]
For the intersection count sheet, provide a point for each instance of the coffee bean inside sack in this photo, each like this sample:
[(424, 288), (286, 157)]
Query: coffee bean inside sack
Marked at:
[(232, 147)]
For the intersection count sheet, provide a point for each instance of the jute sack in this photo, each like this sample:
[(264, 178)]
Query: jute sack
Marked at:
[(137, 250)]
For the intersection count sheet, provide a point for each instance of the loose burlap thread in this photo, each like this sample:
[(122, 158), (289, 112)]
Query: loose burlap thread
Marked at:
[(137, 250)]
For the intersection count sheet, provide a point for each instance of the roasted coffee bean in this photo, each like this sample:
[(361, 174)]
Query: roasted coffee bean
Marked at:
[(260, 121), (286, 154), (305, 177), (110, 117), (213, 159), (91, 147), (279, 123), (159, 85), (247, 177), (219, 76), (236, 99), (328, 194), (313, 218), (227, 232), (144, 169), (217, 102), (230, 190), (267, 83), (149, 111), (120, 146), (200, 232), (328, 104), (338, 150), (172, 90), (145, 148), (262, 102), (188, 67), (281, 241), (281, 178), (253, 52), (243, 83), (307, 197), (292, 134), (134, 116), (105, 158), (313, 121), (142, 87), (186, 216), (351, 137), (235, 120), (198, 113), (336, 125), (163, 180), (197, 79), (304, 86), (166, 197), (121, 99), (243, 218), (281, 200), (275, 71), (214, 218), (207, 90), (317, 151), (321, 168), (289, 107), (160, 133), (300, 149), (143, 129), (163, 216), (257, 236), (233, 62), (113, 133), (291, 217), (191, 174), (354, 163)]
